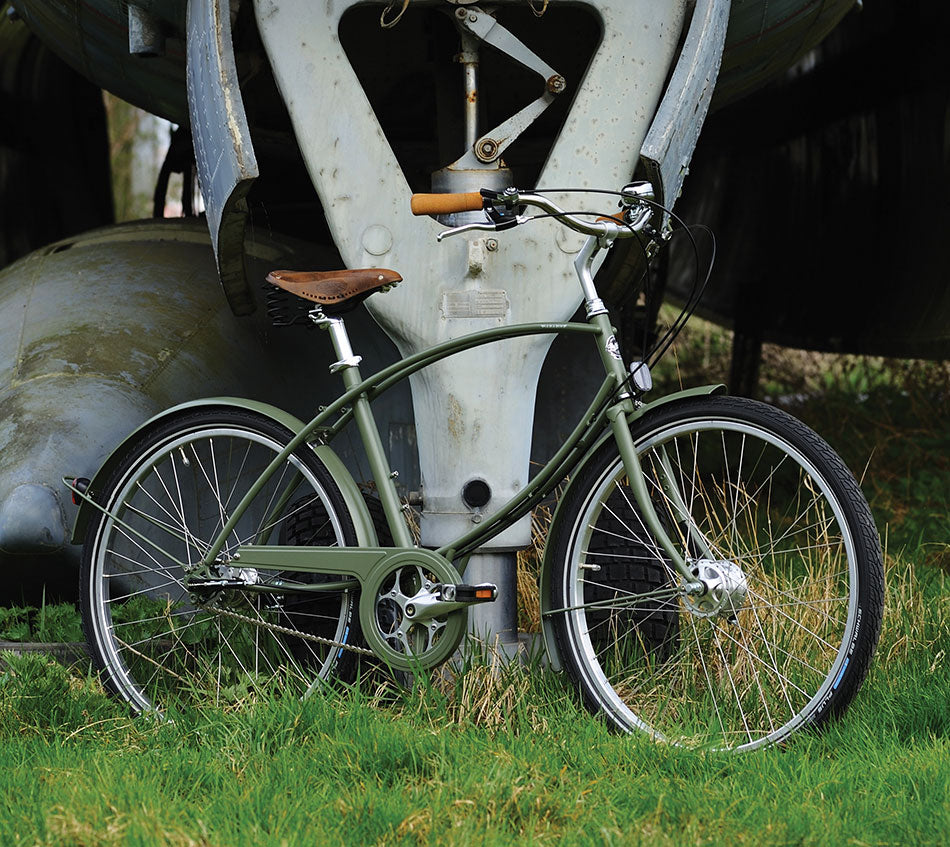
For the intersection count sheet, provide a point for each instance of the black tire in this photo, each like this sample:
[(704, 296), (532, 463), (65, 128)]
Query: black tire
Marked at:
[(784, 541), (157, 644), (628, 565)]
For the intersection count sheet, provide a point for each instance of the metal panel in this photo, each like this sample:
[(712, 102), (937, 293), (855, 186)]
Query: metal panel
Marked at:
[(102, 331), (223, 150), (669, 145), (471, 411)]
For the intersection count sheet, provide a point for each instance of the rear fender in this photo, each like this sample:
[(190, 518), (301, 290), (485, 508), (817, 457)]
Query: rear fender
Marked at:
[(547, 563), (352, 496)]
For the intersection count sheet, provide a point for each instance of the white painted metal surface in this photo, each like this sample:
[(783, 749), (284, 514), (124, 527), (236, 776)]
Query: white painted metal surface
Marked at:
[(474, 412), (224, 154)]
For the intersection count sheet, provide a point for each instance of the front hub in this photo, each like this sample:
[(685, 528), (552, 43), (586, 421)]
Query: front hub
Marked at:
[(726, 589)]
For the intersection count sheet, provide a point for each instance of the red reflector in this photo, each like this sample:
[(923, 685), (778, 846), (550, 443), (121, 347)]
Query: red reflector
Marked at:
[(80, 485)]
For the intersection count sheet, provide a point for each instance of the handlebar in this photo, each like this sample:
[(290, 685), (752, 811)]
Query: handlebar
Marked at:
[(502, 211), (446, 204)]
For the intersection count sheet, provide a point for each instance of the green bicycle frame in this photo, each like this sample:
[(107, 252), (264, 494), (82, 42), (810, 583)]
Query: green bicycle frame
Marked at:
[(612, 406)]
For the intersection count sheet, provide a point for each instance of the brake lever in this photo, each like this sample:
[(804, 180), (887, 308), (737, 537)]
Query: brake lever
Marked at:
[(458, 230), (641, 214), (639, 200), (482, 227)]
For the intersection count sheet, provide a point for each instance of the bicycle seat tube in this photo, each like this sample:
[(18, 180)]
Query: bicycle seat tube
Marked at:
[(347, 365)]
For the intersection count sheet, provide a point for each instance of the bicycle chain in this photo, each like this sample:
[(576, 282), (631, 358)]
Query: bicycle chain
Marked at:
[(295, 633)]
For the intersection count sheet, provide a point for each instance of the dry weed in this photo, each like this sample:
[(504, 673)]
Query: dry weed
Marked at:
[(529, 572), (913, 621)]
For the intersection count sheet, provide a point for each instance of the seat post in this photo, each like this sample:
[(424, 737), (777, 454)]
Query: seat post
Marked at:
[(339, 338)]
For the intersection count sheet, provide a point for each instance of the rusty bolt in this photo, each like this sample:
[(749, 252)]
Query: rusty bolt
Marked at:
[(461, 14), (557, 84), (491, 245), (487, 149)]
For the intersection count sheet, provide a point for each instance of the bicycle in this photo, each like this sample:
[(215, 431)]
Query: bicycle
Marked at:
[(712, 576)]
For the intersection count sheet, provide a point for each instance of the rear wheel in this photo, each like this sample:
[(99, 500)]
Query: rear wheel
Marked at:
[(157, 639), (775, 528)]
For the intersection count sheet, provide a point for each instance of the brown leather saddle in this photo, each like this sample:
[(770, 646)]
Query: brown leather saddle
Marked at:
[(336, 291)]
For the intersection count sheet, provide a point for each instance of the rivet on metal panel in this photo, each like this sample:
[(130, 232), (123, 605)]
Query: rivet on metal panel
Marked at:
[(377, 240)]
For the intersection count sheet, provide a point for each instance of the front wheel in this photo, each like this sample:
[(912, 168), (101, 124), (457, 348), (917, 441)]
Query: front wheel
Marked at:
[(163, 630), (775, 529)]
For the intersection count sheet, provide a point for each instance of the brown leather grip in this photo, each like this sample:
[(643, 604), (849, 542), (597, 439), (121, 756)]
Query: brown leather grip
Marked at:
[(445, 204)]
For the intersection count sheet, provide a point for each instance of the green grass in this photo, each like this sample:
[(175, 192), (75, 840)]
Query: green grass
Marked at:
[(341, 769), (502, 756), (43, 623)]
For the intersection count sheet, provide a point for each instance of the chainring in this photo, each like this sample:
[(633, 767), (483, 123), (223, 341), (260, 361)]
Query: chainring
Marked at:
[(392, 586)]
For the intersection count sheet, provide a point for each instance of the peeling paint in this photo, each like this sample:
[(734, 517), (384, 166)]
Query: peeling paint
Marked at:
[(456, 418)]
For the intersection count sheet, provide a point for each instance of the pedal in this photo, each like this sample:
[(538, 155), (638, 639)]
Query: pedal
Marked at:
[(482, 593)]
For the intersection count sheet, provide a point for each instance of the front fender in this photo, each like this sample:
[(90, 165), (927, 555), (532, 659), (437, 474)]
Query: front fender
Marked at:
[(547, 563), (352, 496)]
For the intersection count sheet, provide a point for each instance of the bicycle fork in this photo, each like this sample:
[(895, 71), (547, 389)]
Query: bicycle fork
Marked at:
[(638, 484), (620, 426)]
